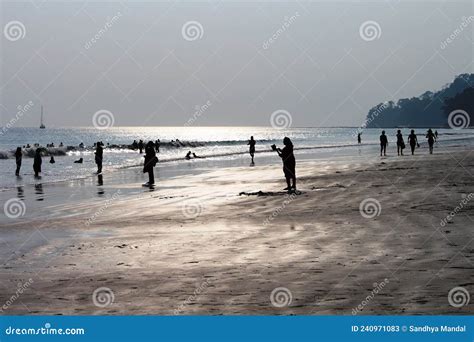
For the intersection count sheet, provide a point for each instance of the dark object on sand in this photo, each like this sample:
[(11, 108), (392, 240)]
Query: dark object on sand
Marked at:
[(79, 161)]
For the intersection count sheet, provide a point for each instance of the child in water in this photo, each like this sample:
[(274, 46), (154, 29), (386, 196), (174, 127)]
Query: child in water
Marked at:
[(289, 163)]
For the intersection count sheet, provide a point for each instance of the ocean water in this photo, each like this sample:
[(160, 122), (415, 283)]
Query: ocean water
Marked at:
[(221, 146)]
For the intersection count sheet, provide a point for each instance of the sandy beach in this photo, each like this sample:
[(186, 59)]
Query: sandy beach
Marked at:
[(221, 241)]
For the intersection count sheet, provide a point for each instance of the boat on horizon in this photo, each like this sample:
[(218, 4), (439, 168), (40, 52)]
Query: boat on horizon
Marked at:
[(41, 120)]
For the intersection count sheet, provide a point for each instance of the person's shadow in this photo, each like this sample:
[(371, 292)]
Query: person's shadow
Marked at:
[(39, 192)]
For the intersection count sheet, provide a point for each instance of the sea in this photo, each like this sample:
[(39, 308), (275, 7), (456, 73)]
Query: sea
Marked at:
[(218, 147)]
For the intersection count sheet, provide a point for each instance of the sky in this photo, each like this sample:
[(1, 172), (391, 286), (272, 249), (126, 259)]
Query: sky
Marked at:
[(224, 63)]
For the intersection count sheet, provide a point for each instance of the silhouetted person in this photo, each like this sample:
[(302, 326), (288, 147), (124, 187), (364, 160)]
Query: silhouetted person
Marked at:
[(196, 156), (359, 140), (135, 145), (188, 155), (436, 135), (157, 146), (61, 144), (140, 146), (400, 143), (18, 157), (431, 139), (150, 162), (99, 152), (81, 145), (413, 141), (289, 163), (79, 161), (37, 162), (383, 143), (52, 161), (251, 144)]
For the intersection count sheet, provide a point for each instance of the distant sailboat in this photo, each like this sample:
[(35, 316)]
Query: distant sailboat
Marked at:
[(42, 124)]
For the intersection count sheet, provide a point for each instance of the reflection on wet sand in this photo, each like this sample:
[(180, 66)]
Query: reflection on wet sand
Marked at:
[(20, 192), (100, 182), (39, 192)]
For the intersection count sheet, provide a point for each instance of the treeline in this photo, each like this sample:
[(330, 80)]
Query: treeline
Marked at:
[(430, 109)]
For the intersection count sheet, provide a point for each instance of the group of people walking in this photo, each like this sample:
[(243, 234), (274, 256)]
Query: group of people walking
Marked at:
[(412, 141)]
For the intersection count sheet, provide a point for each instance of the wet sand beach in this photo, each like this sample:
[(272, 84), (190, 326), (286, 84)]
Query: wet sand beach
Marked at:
[(222, 241)]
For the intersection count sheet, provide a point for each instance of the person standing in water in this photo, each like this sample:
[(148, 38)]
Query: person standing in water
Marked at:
[(37, 162), (150, 163), (157, 146), (383, 143), (140, 146), (18, 157), (431, 139), (289, 163), (99, 152), (400, 143), (413, 141), (359, 139), (251, 144)]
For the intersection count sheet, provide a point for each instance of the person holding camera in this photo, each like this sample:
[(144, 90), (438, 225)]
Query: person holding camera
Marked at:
[(289, 163)]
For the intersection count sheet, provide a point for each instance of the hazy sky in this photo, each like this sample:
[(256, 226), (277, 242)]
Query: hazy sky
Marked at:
[(146, 70)]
